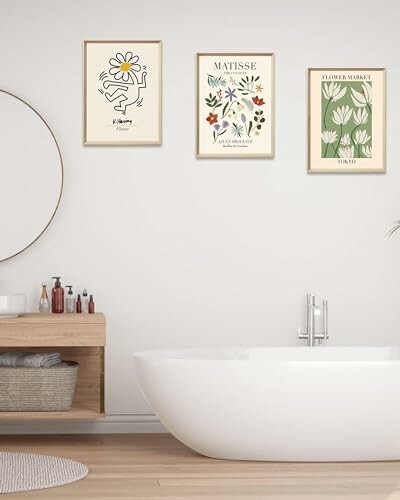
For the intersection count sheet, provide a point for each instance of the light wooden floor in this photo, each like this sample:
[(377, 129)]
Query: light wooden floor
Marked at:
[(156, 466)]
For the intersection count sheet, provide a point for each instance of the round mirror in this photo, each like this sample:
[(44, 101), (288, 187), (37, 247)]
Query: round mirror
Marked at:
[(31, 175)]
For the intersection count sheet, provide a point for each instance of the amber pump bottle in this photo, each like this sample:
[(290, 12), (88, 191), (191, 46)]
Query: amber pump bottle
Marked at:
[(57, 296)]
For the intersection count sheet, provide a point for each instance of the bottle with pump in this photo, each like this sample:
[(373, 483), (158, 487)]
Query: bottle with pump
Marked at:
[(57, 296), (44, 303), (85, 301), (70, 300)]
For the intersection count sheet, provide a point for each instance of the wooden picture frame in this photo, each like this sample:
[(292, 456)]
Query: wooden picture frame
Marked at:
[(346, 120), (122, 93), (235, 105)]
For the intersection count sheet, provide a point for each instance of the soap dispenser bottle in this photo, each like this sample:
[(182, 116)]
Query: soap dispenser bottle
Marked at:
[(57, 296), (70, 300)]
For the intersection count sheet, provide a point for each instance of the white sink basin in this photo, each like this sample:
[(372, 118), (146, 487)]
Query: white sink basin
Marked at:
[(12, 305)]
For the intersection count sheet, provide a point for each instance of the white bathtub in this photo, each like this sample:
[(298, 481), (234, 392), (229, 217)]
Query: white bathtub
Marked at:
[(281, 404)]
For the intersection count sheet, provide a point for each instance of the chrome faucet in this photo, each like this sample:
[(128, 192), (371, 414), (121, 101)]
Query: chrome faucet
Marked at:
[(314, 311)]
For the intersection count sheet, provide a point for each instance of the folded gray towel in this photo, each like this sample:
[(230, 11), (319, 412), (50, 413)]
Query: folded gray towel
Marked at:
[(9, 358), (30, 359)]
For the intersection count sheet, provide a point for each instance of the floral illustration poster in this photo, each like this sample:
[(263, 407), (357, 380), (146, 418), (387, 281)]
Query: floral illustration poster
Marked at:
[(122, 93), (235, 105), (346, 120)]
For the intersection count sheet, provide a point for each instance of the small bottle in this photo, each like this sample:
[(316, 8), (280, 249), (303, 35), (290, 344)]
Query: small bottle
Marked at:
[(44, 303), (85, 301), (57, 296), (91, 305), (70, 300), (78, 304)]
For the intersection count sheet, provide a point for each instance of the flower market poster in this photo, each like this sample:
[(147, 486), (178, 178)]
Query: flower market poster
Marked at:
[(235, 105), (346, 120)]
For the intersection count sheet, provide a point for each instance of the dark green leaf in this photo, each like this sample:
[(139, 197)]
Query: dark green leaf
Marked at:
[(258, 126), (262, 120), (225, 107), (250, 125)]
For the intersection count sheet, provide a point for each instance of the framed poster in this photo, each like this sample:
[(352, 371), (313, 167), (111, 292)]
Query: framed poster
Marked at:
[(123, 82), (235, 105), (346, 120)]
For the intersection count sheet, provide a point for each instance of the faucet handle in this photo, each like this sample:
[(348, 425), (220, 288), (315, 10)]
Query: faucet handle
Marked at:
[(325, 309), (301, 335)]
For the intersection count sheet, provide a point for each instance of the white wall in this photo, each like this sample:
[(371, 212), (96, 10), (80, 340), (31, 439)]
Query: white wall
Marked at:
[(186, 252)]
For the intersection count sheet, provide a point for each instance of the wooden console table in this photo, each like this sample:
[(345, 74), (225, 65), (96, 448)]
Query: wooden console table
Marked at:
[(77, 337)]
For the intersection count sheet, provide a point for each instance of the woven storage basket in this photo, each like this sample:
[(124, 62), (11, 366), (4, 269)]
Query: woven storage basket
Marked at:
[(38, 389)]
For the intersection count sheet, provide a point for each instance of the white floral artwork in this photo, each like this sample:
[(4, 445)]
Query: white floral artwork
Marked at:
[(346, 118)]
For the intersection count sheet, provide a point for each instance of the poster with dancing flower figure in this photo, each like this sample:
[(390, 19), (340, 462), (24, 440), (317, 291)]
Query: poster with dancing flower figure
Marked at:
[(122, 93)]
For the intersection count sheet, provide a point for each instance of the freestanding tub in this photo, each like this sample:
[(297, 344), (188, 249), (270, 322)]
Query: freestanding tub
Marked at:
[(279, 403)]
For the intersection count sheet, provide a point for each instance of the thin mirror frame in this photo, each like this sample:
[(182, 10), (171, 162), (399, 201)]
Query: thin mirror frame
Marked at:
[(62, 175)]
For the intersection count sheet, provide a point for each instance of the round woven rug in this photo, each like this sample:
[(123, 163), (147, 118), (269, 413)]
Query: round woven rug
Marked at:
[(28, 472)]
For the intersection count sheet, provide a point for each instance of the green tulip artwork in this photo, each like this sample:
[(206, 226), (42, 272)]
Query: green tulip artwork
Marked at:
[(346, 120)]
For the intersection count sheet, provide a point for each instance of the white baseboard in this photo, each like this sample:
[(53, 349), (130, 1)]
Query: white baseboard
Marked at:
[(110, 424)]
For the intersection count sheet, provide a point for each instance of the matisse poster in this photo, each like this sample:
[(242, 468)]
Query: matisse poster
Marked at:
[(346, 120), (235, 105)]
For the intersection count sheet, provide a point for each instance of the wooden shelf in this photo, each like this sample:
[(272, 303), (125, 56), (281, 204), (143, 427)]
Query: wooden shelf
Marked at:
[(72, 318), (34, 329), (77, 337), (77, 412)]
